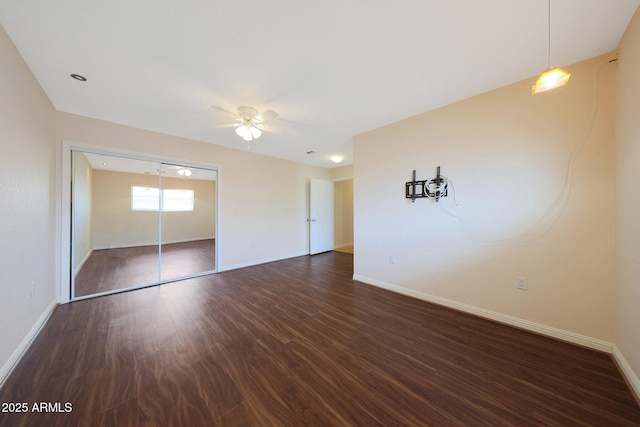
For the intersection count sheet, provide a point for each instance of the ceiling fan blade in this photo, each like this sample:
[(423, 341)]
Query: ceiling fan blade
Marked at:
[(267, 128), (224, 111), (247, 116), (266, 116), (224, 126)]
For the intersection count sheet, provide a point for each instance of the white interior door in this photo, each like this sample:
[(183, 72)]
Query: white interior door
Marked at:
[(321, 216)]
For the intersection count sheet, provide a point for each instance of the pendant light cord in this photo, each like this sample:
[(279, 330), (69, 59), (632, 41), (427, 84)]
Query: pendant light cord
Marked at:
[(549, 33)]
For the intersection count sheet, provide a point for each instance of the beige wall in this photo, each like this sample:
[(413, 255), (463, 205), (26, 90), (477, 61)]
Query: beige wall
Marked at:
[(507, 153), (343, 218), (341, 173), (115, 225), (27, 170), (262, 200), (628, 197)]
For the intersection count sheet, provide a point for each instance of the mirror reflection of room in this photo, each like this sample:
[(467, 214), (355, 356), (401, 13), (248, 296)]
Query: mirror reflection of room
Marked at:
[(137, 223), (188, 221)]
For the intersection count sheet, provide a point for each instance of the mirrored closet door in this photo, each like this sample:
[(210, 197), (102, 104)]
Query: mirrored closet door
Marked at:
[(187, 218), (137, 223)]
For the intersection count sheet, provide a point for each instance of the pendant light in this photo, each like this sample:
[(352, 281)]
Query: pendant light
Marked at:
[(553, 77)]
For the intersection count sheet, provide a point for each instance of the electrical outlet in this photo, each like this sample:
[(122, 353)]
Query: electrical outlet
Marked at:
[(392, 259), (522, 283)]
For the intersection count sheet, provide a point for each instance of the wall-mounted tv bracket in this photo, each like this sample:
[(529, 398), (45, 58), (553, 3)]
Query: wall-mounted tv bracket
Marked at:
[(430, 189)]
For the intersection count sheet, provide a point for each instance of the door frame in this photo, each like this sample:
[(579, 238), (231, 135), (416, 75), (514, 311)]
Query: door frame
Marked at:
[(65, 282)]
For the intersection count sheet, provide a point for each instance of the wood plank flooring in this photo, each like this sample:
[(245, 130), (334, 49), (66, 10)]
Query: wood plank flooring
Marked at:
[(120, 268), (298, 342)]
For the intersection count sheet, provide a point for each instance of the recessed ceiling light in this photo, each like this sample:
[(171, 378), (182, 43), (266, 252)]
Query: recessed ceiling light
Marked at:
[(105, 164), (79, 77), (337, 158)]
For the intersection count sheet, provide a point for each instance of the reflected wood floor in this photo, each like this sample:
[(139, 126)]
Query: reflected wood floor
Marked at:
[(121, 268), (298, 342)]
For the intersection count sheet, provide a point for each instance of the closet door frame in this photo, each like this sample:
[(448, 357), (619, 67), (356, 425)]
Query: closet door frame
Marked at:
[(66, 252)]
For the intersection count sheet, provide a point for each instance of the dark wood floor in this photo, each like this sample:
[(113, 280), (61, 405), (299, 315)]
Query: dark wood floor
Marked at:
[(297, 342), (121, 268)]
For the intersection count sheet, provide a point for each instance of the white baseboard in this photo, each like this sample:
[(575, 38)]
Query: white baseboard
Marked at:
[(10, 364), (260, 261), (627, 372), (81, 263), (153, 243), (538, 328)]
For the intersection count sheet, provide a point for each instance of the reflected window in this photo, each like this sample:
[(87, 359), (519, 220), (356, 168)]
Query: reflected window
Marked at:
[(177, 200), (145, 199), (148, 199)]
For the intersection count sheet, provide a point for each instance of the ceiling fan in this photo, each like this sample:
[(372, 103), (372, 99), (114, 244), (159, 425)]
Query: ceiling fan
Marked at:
[(249, 124)]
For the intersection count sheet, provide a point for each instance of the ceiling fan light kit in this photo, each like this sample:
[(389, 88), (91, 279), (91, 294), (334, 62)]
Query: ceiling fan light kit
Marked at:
[(249, 124), (248, 132), (184, 172), (248, 117)]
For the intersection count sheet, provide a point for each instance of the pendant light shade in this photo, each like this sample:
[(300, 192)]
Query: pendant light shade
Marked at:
[(551, 79)]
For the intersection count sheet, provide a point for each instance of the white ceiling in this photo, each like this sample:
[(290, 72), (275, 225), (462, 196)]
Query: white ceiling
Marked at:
[(330, 69)]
